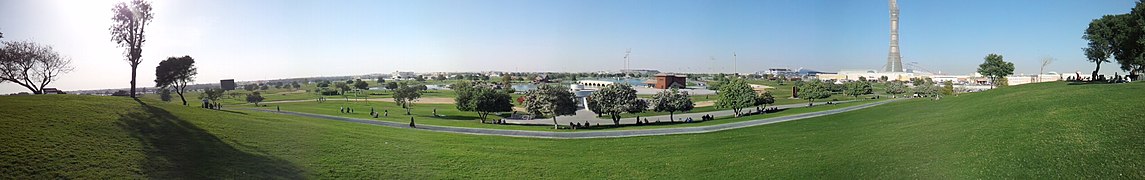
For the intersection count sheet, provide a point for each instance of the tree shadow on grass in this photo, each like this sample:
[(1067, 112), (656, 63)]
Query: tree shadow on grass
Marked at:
[(178, 149), (236, 112), (446, 117), (669, 123), (1088, 82)]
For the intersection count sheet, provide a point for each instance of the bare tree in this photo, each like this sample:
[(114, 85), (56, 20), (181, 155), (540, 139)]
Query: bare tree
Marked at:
[(127, 31), (1045, 62), (31, 65)]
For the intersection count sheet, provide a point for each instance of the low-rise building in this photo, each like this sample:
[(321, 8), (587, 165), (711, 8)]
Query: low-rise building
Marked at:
[(665, 81)]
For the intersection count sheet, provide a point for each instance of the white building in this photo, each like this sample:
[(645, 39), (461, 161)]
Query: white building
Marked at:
[(786, 72), (403, 75), (854, 75)]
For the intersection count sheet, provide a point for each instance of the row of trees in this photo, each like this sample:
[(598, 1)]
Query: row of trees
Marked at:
[(1120, 36)]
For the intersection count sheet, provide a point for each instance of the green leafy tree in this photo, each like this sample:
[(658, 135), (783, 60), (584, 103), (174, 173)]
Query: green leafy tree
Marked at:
[(995, 68), (165, 95), (1131, 47), (551, 101), (213, 94), (481, 99), (250, 87), (883, 78), (487, 100), (127, 31), (359, 84), (895, 88), (254, 97), (857, 88), (736, 95), (507, 81), (391, 85), (594, 106), (614, 99), (405, 96), (765, 99), (672, 101), (175, 73), (814, 90), (947, 88), (342, 87), (464, 95), (1102, 35), (927, 89)]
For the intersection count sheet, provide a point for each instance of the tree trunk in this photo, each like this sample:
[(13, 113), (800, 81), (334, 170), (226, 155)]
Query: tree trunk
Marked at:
[(182, 98), (1094, 75), (555, 125), (133, 70), (671, 115), (615, 119)]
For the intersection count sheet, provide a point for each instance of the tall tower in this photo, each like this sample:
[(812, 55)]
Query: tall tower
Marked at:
[(894, 59)]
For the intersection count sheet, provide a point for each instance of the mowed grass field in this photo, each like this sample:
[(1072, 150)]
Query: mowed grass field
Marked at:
[(1045, 130)]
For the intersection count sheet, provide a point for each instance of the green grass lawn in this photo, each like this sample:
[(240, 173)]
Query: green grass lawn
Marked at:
[(1033, 131)]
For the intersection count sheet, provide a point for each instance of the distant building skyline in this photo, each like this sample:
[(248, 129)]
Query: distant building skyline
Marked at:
[(264, 39)]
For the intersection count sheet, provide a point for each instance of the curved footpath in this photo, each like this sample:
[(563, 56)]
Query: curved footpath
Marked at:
[(593, 133)]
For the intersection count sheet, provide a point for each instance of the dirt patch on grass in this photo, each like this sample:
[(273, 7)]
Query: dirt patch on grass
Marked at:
[(705, 103)]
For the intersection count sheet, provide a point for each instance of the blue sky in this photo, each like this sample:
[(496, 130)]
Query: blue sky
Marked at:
[(267, 39)]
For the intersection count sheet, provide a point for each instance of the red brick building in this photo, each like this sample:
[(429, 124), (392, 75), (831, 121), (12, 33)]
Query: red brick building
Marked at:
[(665, 81)]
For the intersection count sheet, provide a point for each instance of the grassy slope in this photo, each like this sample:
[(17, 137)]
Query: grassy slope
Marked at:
[(1038, 130)]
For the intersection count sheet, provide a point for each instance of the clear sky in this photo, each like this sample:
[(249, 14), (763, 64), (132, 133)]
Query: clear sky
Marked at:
[(269, 39)]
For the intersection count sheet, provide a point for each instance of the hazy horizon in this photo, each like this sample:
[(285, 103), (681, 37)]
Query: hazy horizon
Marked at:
[(262, 39)]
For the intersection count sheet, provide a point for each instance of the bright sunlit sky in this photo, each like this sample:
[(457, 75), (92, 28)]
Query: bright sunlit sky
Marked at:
[(270, 39)]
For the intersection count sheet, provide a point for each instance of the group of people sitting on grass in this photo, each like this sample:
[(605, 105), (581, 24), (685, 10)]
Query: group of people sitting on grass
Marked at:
[(376, 114), (345, 110), (1116, 78), (579, 125)]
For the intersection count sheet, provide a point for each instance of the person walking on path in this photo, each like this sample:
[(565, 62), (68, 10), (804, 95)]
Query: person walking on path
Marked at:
[(411, 123)]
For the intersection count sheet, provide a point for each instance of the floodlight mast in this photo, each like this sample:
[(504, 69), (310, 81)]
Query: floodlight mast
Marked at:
[(626, 53)]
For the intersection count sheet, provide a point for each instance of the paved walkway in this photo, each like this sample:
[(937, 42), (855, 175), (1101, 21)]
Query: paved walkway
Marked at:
[(592, 133)]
